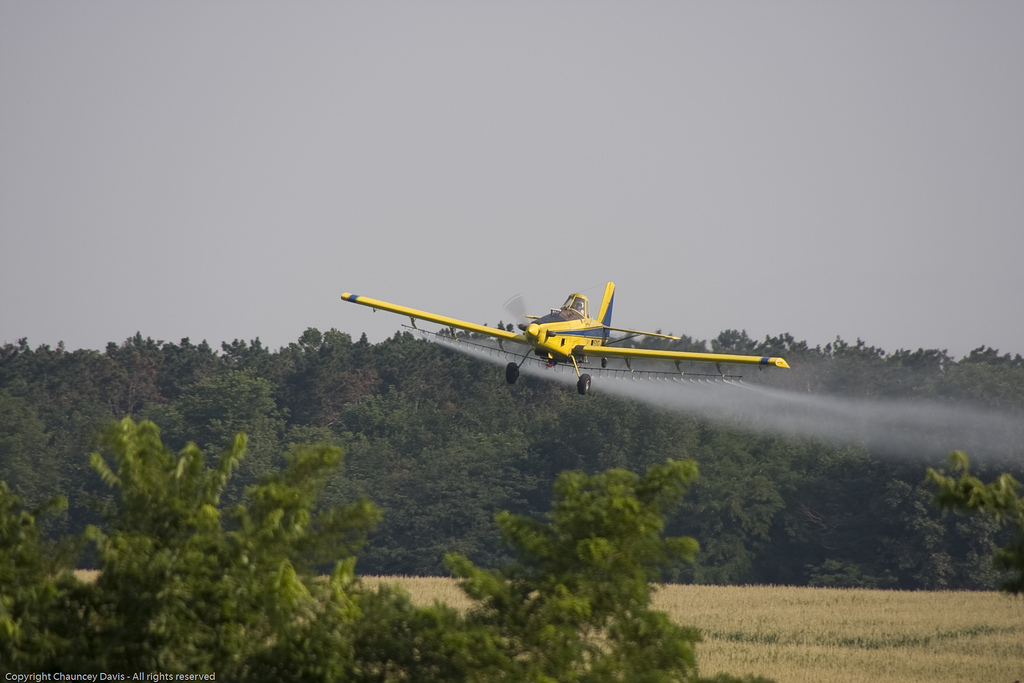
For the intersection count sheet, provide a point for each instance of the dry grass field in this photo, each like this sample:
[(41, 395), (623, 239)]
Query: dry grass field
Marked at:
[(818, 635)]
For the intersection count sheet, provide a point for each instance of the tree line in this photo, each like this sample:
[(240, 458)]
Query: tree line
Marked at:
[(441, 445)]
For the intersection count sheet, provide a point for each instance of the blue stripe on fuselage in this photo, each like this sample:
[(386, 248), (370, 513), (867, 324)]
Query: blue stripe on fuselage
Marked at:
[(590, 332)]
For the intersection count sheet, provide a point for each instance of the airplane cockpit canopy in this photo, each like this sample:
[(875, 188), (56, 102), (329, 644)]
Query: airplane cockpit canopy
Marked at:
[(576, 305), (574, 308)]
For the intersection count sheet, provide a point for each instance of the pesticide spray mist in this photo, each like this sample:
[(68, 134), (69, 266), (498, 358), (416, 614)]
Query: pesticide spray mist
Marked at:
[(901, 428), (888, 427)]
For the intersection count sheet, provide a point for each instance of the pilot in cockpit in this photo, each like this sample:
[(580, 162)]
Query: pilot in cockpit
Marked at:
[(575, 306)]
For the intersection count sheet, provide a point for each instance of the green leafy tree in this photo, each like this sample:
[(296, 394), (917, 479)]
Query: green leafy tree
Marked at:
[(182, 589), (184, 364), (324, 373), (576, 607), (998, 499), (439, 486), (27, 463), (985, 377), (216, 408), (734, 504), (733, 341), (137, 360), (32, 576)]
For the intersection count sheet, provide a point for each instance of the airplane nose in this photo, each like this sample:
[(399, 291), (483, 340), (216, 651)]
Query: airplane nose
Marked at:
[(533, 331)]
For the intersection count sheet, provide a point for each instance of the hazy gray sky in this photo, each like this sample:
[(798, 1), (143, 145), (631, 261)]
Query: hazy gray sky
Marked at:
[(226, 170)]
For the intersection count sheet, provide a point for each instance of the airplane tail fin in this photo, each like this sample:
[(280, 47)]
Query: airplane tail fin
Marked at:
[(605, 313)]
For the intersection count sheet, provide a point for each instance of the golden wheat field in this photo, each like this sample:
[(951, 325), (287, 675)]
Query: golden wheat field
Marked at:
[(817, 635)]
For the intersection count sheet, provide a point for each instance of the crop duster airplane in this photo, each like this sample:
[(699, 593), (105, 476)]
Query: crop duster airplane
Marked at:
[(568, 335)]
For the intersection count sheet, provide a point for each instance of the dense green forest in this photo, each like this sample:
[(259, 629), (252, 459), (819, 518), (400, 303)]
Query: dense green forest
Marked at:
[(441, 444)]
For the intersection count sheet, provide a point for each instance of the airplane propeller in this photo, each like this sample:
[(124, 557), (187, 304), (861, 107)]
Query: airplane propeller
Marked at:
[(516, 307)]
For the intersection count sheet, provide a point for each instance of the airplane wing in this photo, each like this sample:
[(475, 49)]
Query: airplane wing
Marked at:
[(679, 356), (414, 315)]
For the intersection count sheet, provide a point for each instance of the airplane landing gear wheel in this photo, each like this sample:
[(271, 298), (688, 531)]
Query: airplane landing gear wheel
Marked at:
[(583, 385), (511, 373)]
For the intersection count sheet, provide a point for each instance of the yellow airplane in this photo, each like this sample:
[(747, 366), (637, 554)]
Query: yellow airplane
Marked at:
[(569, 335)]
